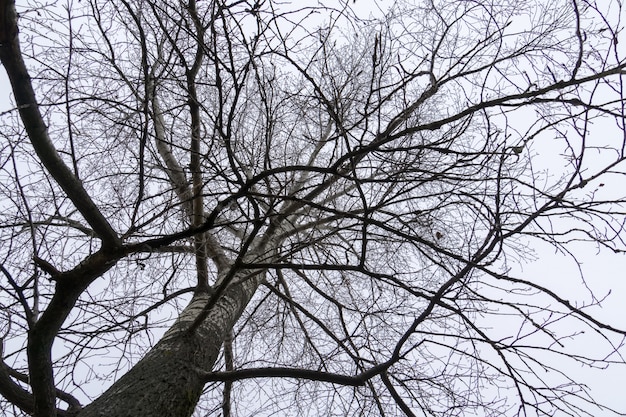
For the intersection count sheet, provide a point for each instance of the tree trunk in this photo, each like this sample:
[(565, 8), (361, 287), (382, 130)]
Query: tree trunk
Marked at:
[(167, 381)]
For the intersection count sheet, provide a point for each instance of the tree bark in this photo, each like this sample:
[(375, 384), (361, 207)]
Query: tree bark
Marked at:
[(168, 381)]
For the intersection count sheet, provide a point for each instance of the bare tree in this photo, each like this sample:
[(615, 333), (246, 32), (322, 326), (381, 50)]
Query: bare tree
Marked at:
[(340, 198)]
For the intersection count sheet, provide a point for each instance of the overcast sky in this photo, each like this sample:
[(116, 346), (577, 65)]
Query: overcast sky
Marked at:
[(603, 270)]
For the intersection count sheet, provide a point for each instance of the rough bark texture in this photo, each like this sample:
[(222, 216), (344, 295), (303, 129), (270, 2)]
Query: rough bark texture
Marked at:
[(168, 380)]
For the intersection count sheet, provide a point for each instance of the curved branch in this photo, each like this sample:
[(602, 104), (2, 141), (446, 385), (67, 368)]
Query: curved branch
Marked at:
[(11, 58), (284, 372)]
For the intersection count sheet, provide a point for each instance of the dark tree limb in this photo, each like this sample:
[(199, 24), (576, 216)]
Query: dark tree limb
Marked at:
[(285, 372), (13, 62), (23, 399)]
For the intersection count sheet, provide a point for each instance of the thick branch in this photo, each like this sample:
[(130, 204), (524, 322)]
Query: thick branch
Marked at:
[(354, 381), (11, 58), (23, 399), (204, 242), (74, 404), (69, 287), (228, 385), (14, 393)]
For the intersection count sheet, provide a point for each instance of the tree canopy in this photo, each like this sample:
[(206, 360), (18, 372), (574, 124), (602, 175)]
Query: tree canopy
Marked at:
[(228, 207)]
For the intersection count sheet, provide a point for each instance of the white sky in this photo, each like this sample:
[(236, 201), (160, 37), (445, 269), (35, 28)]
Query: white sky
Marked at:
[(604, 271)]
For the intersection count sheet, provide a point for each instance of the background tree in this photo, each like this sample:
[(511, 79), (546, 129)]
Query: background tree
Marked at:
[(340, 195)]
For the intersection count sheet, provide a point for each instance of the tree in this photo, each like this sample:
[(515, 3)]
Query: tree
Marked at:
[(341, 199)]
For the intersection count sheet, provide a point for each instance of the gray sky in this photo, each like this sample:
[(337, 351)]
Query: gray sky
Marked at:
[(603, 272)]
